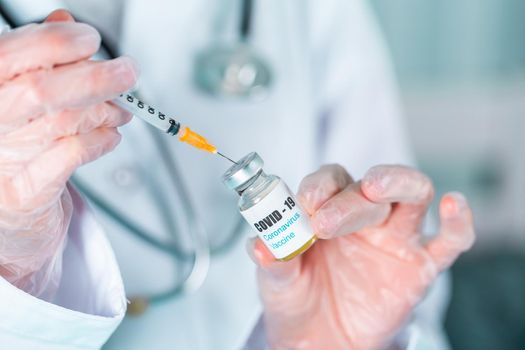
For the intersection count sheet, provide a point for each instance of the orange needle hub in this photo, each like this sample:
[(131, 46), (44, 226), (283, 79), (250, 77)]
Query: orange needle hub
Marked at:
[(192, 138)]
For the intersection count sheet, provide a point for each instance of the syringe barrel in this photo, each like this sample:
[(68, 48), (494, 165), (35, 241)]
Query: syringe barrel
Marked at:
[(147, 113)]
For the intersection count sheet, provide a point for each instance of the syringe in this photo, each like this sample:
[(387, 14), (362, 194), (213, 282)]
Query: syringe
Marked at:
[(161, 121)]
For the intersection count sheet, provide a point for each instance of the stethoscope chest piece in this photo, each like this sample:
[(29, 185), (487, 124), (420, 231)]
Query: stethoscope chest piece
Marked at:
[(235, 71)]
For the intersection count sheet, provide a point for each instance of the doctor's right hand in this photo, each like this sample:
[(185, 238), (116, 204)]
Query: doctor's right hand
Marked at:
[(54, 117)]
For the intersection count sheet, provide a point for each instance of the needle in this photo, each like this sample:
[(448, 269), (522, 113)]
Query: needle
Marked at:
[(222, 155)]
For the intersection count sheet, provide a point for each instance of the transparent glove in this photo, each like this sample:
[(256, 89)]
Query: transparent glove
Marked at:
[(53, 118), (356, 287)]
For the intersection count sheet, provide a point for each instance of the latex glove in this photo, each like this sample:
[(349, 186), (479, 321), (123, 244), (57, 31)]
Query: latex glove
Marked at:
[(53, 118), (358, 284)]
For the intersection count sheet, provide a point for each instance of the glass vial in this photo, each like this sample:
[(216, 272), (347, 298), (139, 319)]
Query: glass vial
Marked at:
[(270, 208)]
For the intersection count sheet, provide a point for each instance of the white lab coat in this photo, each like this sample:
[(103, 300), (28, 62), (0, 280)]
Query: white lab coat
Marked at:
[(332, 101)]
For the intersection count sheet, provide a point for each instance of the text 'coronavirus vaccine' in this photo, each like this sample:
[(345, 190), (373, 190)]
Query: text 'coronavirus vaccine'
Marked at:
[(270, 208)]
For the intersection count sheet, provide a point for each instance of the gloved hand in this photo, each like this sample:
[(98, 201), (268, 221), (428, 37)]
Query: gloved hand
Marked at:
[(358, 284), (53, 118)]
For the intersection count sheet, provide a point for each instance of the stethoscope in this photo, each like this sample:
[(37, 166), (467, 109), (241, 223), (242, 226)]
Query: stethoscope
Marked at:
[(234, 71)]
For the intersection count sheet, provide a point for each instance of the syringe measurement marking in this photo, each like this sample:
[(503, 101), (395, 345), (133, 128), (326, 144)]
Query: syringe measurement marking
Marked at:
[(141, 105)]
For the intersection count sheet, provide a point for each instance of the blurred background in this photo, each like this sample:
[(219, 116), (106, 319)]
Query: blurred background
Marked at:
[(461, 67)]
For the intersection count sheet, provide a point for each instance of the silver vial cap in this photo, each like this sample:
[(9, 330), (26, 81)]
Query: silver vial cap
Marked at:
[(245, 169)]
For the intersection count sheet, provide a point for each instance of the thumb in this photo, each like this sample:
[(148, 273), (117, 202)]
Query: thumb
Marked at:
[(60, 15), (273, 273), (457, 231)]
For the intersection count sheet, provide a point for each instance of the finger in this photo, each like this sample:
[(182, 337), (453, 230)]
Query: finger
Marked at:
[(69, 122), (36, 137), (60, 15), (316, 188), (42, 46), (24, 144), (276, 272), (410, 189), (457, 231), (347, 212), (43, 179), (72, 86)]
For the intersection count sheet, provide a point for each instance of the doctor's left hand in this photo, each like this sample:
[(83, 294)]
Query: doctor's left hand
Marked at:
[(355, 288)]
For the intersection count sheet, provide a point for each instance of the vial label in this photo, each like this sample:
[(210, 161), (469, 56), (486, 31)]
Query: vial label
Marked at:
[(280, 222)]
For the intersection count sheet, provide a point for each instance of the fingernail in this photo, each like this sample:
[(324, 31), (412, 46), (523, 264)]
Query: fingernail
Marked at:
[(250, 249), (453, 206), (384, 182), (126, 72), (376, 182), (460, 199), (304, 199), (117, 137), (126, 117), (258, 256)]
